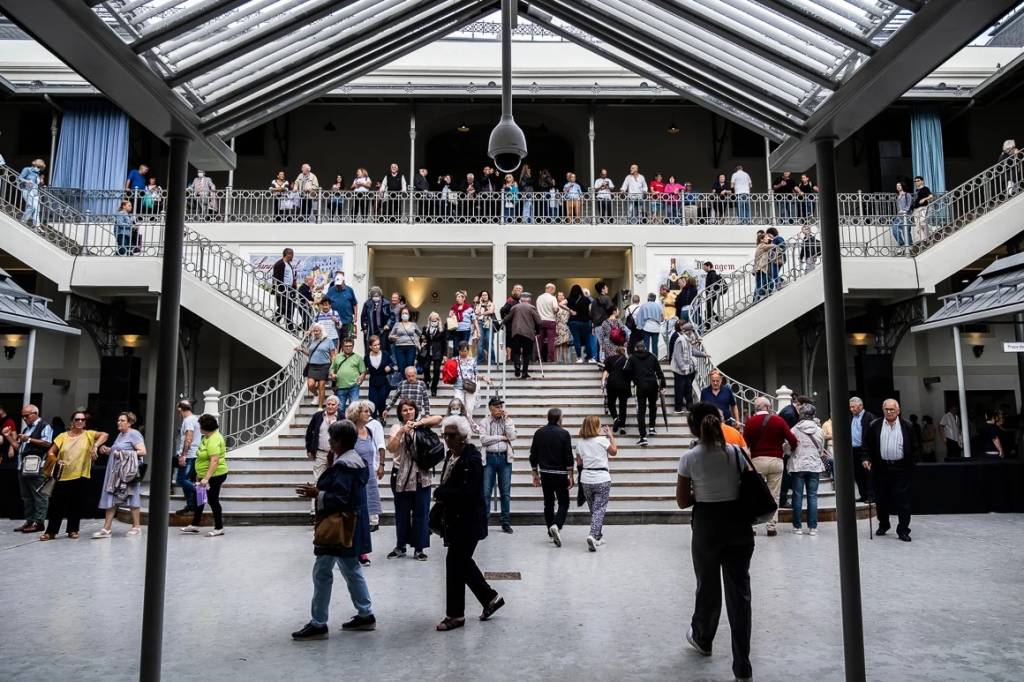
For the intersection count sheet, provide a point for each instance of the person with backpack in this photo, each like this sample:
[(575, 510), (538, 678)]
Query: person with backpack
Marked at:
[(645, 373), (612, 334), (617, 388), (805, 467), (683, 348), (634, 332), (601, 308), (523, 324), (410, 482)]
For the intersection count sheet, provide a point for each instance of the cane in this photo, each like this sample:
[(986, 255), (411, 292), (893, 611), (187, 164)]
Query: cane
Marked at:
[(540, 360)]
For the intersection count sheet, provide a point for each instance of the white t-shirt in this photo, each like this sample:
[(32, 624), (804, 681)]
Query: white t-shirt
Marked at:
[(190, 423), (715, 475), (594, 453), (547, 307), (741, 182), (604, 187)]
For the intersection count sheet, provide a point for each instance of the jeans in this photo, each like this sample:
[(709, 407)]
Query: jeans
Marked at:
[(30, 197), (460, 572), (405, 356), (527, 211), (901, 230), (499, 469), (323, 582), (484, 348), (810, 480), (411, 510), (761, 285), (378, 395), (460, 336), (555, 486), (124, 240), (743, 208), (636, 210), (35, 503), (347, 396), (651, 342), (185, 476), (581, 334), (722, 545)]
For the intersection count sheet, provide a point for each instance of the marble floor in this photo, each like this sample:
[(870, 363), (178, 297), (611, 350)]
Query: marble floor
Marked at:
[(949, 606)]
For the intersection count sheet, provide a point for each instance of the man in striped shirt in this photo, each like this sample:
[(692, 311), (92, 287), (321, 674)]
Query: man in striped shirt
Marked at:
[(410, 388)]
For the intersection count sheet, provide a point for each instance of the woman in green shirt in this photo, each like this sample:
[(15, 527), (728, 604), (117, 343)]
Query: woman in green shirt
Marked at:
[(211, 470)]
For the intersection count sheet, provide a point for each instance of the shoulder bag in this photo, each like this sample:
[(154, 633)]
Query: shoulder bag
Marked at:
[(426, 449), (468, 385), (46, 487), (335, 529), (305, 368), (453, 322), (755, 500)]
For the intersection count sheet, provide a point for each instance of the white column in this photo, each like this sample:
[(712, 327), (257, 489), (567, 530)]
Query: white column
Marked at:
[(499, 273), (411, 175), (211, 402), (783, 397), (768, 178), (29, 367), (359, 276), (962, 390), (593, 171)]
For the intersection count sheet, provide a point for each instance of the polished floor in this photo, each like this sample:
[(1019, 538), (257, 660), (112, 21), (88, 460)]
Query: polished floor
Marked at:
[(949, 606)]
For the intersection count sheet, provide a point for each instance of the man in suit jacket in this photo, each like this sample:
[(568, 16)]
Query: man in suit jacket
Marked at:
[(892, 450), (860, 420), (284, 276)]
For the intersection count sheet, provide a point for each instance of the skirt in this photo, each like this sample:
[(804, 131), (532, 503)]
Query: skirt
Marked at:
[(107, 500), (318, 372), (364, 446)]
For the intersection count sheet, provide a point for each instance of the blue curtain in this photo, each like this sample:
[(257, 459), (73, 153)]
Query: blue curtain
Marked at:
[(92, 153), (926, 147)]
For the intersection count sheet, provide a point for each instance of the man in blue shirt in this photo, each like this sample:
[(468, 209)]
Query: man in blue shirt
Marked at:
[(721, 396), (343, 300), (136, 181), (860, 420)]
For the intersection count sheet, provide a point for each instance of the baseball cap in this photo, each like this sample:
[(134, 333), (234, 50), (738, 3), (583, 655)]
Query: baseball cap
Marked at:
[(495, 401)]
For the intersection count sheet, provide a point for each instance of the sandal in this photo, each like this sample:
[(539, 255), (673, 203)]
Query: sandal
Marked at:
[(101, 534), (135, 530), (44, 537), (450, 624), (73, 536)]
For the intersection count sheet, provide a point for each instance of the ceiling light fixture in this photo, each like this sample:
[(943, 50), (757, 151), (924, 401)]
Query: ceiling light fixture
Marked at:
[(673, 128)]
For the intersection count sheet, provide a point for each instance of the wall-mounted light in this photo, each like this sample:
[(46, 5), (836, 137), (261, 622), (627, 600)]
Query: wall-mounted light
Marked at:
[(132, 340), (463, 128), (9, 352), (978, 350), (14, 340), (861, 339)]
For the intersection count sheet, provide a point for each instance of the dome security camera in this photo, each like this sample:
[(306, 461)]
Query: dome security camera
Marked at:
[(507, 145)]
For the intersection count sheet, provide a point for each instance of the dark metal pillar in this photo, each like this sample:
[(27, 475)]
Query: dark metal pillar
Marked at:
[(1018, 335), (161, 446), (839, 395)]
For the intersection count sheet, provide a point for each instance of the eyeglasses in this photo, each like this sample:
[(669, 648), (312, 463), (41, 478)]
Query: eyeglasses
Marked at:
[(450, 435), (78, 419)]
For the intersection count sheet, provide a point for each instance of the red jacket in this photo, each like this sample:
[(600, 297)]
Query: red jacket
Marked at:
[(765, 436)]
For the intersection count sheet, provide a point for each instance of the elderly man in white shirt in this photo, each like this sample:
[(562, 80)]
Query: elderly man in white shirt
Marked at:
[(635, 187), (547, 308), (892, 452), (741, 187)]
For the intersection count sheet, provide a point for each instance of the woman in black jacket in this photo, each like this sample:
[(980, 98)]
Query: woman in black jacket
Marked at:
[(435, 345), (381, 368), (340, 489), (617, 388), (463, 517), (579, 323)]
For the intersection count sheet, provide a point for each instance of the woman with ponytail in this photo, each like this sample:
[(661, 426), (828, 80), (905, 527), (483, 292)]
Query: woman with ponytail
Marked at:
[(722, 540)]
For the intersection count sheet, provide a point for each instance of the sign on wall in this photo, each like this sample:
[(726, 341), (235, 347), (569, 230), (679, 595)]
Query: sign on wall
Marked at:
[(662, 267), (322, 266)]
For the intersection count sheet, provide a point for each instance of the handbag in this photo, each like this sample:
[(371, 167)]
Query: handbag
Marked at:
[(435, 519), (305, 368), (335, 529), (453, 322), (468, 385), (427, 450), (201, 495), (755, 500), (46, 487)]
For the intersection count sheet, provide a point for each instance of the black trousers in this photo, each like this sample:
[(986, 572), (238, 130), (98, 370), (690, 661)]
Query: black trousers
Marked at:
[(711, 304), (522, 351), (432, 373), (213, 497), (683, 390), (617, 401), (953, 449), (721, 548), (862, 476), (646, 408), (462, 572), (892, 494), (555, 486), (67, 502)]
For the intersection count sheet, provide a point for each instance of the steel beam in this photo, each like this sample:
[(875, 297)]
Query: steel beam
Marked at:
[(936, 33), (839, 396), (854, 42), (161, 446), (79, 38), (781, 57), (183, 23), (257, 39)]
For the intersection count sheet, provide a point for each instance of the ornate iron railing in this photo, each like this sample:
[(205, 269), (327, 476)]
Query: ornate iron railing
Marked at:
[(257, 411)]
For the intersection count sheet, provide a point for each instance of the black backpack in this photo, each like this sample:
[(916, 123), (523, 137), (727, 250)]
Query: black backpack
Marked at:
[(428, 450)]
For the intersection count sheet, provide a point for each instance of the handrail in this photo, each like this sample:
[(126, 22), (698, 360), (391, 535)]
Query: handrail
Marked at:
[(257, 411)]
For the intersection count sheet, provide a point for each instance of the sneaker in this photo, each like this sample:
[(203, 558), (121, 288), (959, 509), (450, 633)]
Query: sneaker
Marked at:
[(652, 432), (420, 556), (310, 631), (812, 531), (190, 529), (215, 533), (798, 531), (555, 535), (697, 647), (358, 623), (506, 528), (622, 432), (591, 543), (364, 559), (396, 553), (101, 534), (678, 411), (642, 442), (580, 361), (600, 542)]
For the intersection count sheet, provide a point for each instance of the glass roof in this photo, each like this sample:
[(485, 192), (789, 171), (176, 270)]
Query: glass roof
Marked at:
[(765, 64)]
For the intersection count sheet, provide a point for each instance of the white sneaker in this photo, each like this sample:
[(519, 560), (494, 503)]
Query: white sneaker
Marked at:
[(553, 532), (600, 542), (101, 534), (591, 543), (812, 531), (693, 643), (314, 402), (190, 529), (798, 531), (216, 532), (580, 361)]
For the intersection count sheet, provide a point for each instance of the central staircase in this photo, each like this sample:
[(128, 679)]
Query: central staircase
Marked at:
[(260, 486)]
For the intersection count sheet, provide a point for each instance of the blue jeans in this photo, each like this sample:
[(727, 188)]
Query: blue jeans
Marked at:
[(651, 342), (124, 240), (347, 396), (810, 479), (760, 282), (460, 336), (743, 208), (582, 333), (323, 582), (485, 346), (498, 467), (527, 211), (405, 356), (901, 230), (185, 481)]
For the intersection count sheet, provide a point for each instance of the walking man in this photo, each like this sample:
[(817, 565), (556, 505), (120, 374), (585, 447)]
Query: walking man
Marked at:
[(645, 373), (860, 420), (648, 319), (892, 451), (919, 209), (552, 462), (32, 444), (496, 435), (523, 325), (547, 308), (348, 371), (765, 433), (711, 278), (190, 435), (284, 285)]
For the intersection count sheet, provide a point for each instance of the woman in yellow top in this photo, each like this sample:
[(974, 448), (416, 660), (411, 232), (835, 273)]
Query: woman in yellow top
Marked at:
[(211, 472), (76, 449)]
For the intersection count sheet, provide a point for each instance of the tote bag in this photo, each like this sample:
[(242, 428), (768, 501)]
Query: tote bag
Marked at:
[(756, 500)]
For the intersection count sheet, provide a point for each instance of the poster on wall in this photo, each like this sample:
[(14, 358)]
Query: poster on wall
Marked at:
[(322, 266), (671, 270)]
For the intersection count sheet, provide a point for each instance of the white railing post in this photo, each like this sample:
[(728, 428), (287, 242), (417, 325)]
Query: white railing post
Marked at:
[(783, 397), (211, 402)]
